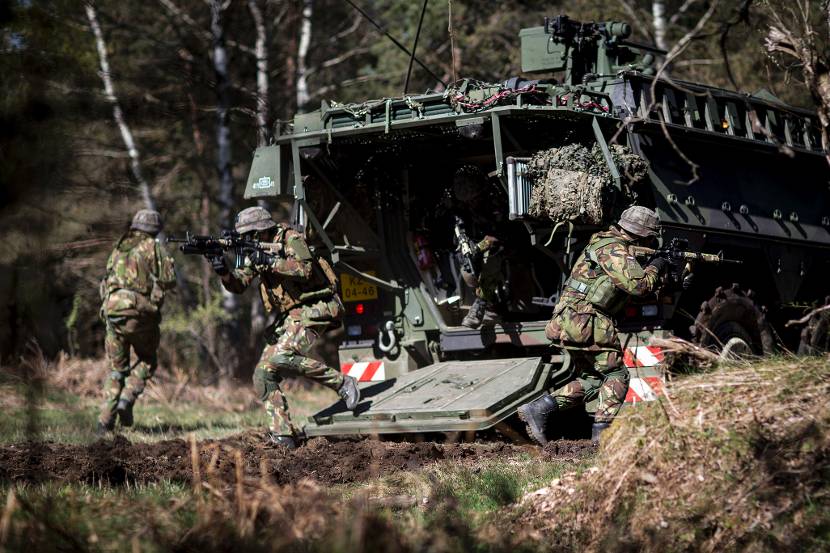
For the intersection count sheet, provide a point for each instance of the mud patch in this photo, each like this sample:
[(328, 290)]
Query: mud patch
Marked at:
[(118, 460), (568, 449)]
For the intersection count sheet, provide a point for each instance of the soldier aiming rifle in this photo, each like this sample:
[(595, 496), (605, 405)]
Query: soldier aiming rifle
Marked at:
[(297, 286), (605, 275)]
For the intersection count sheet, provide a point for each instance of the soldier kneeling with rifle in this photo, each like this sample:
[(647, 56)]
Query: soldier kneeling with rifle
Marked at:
[(301, 289), (583, 322)]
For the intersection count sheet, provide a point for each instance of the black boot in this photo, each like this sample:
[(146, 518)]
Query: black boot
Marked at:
[(124, 409), (535, 414), (349, 392), (475, 315), (103, 428), (597, 429), (288, 442)]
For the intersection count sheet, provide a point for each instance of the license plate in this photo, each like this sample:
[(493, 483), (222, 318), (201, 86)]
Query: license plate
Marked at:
[(356, 289)]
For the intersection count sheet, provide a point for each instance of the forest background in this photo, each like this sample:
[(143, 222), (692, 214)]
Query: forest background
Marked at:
[(200, 83)]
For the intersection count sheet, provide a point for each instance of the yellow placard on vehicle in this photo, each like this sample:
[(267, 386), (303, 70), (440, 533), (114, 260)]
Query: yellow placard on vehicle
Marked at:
[(357, 289)]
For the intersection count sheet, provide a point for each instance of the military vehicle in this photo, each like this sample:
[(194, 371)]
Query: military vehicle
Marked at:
[(377, 185)]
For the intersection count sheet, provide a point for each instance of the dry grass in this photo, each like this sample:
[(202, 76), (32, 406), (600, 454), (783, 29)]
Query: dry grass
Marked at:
[(737, 459), (169, 386)]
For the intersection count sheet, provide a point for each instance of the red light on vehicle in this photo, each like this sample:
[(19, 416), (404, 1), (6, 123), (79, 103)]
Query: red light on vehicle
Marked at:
[(359, 309), (630, 311)]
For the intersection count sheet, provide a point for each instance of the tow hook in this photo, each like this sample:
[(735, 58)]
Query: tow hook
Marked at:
[(388, 340)]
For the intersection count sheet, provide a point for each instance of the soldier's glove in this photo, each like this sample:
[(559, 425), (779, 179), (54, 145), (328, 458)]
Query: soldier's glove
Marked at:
[(661, 264), (261, 258), (217, 261)]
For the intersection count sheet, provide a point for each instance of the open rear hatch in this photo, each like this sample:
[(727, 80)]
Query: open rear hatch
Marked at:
[(449, 396)]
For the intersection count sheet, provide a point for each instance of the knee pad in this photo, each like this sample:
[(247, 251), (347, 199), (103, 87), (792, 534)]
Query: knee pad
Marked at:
[(265, 383), (286, 361)]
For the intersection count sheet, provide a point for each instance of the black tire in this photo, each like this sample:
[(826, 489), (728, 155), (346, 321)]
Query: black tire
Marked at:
[(731, 318)]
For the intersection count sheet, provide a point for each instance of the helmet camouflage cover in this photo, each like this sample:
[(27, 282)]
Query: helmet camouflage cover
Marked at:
[(253, 218), (640, 221), (147, 220)]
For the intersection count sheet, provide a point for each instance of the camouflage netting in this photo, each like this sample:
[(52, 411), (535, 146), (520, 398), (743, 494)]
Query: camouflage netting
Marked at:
[(573, 183)]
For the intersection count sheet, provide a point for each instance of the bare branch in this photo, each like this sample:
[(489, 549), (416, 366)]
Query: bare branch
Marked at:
[(345, 56), (637, 19), (681, 11), (198, 29)]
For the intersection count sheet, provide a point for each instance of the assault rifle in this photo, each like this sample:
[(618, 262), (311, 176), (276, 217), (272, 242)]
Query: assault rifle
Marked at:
[(468, 249), (211, 246), (681, 259)]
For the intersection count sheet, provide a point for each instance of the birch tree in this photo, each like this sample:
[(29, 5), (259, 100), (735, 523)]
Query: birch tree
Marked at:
[(302, 56), (117, 113), (263, 105), (658, 12), (230, 303)]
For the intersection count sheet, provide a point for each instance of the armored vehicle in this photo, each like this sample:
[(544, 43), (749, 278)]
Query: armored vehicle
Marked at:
[(541, 162)]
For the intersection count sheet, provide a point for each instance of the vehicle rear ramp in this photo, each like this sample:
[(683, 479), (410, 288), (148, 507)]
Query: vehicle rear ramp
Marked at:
[(450, 396)]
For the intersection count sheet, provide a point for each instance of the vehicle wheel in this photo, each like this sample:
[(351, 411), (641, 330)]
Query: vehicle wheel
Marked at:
[(732, 323), (815, 338)]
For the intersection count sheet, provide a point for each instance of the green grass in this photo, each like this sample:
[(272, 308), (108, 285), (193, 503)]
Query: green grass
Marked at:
[(56, 415)]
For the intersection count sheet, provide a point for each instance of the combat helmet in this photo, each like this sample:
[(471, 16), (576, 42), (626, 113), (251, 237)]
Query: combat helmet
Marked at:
[(148, 220), (252, 219), (640, 221)]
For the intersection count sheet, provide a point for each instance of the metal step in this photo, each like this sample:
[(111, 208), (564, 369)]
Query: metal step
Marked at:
[(450, 396)]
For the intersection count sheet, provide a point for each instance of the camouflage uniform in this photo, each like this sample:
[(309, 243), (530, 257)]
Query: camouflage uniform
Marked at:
[(139, 272), (489, 282), (604, 276), (589, 332), (301, 289)]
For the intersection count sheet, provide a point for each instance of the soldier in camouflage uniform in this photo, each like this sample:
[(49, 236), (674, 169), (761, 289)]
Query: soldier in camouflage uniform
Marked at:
[(601, 281), (471, 200), (487, 284), (139, 272), (301, 289)]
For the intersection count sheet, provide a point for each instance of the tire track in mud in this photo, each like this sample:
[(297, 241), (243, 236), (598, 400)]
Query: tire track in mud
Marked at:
[(117, 460)]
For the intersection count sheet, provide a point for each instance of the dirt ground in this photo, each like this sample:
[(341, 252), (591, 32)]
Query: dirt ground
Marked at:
[(117, 461)]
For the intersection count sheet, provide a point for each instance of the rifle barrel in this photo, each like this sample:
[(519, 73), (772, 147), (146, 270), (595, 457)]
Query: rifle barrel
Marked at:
[(641, 251)]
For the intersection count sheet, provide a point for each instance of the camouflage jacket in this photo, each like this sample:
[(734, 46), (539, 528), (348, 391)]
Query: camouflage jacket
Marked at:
[(139, 272), (579, 323), (294, 280)]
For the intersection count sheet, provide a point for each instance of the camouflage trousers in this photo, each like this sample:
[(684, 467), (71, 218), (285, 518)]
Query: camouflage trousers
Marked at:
[(600, 374), (288, 353), (140, 334), (491, 280)]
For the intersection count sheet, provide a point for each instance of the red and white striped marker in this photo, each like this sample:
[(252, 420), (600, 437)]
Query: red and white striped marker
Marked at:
[(645, 388), (648, 388), (367, 371), (642, 356)]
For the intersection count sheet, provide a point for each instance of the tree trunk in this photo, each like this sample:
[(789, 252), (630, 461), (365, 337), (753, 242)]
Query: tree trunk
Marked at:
[(263, 117), (302, 54), (263, 106), (230, 330), (117, 114), (658, 12)]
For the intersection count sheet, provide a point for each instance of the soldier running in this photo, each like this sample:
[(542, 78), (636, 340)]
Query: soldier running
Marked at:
[(139, 272), (301, 289), (601, 281)]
